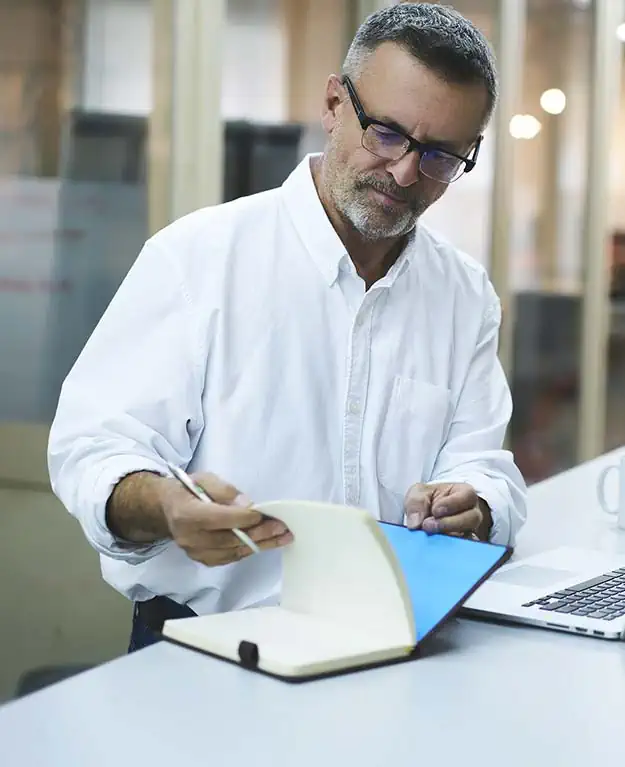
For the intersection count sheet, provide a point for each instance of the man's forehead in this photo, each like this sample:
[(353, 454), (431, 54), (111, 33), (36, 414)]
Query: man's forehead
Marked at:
[(395, 87), (391, 69)]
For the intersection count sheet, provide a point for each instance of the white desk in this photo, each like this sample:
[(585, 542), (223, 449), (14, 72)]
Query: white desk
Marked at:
[(483, 695)]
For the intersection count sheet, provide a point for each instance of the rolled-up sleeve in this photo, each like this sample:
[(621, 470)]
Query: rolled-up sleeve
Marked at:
[(473, 451), (132, 401)]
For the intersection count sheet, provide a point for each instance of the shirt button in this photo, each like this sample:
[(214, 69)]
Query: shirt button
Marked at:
[(354, 407), (360, 321)]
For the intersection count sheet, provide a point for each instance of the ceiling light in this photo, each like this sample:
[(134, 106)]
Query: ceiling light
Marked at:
[(553, 101), (524, 127), (620, 32)]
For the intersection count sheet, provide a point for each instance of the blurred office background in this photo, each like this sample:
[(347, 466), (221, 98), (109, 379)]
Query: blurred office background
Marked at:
[(117, 116)]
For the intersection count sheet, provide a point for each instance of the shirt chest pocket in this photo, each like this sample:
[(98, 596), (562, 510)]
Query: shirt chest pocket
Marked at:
[(412, 432)]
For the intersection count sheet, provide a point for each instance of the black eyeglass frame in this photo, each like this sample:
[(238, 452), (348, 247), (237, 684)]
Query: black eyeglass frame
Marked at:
[(413, 145)]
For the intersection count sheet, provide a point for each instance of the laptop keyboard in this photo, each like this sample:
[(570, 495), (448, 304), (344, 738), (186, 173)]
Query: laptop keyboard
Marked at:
[(602, 597)]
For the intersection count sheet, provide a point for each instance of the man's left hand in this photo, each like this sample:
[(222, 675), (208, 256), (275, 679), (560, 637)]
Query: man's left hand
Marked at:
[(449, 508)]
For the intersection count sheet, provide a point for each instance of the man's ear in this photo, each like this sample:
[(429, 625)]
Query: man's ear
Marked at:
[(334, 95)]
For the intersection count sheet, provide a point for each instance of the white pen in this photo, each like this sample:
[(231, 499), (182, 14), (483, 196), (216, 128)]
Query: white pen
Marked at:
[(202, 495)]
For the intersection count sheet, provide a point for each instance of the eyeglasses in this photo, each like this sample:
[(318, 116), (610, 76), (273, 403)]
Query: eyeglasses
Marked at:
[(388, 143)]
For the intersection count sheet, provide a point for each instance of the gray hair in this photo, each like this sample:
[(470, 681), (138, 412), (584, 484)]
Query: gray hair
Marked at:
[(437, 36)]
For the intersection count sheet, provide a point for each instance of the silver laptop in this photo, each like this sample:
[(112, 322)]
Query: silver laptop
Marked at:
[(564, 589)]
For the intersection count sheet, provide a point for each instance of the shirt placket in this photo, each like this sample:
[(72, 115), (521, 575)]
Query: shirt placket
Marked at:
[(359, 357)]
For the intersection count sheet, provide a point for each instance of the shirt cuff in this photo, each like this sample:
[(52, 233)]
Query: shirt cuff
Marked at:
[(501, 529), (94, 522), (499, 505)]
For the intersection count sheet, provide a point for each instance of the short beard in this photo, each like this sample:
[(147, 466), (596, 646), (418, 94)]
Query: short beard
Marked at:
[(359, 214), (349, 197)]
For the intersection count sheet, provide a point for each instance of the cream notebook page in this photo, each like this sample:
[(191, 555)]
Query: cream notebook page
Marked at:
[(344, 599)]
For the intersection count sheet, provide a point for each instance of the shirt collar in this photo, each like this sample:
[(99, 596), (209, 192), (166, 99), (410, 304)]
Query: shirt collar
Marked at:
[(311, 221), (317, 233)]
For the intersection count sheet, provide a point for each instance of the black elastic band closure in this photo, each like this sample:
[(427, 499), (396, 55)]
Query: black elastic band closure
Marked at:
[(248, 654)]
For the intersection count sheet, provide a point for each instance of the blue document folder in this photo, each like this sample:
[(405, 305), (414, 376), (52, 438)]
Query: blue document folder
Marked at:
[(441, 571)]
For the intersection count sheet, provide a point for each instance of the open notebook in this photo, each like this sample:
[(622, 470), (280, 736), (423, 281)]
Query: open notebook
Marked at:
[(355, 593)]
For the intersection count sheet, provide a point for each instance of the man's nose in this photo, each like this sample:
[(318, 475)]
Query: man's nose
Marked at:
[(405, 171)]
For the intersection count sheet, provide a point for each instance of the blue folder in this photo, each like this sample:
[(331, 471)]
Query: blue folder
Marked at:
[(441, 571)]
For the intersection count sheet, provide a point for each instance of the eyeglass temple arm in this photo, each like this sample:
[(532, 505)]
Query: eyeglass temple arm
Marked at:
[(363, 117), (471, 161)]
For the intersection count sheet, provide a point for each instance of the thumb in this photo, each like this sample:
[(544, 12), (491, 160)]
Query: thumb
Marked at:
[(220, 491), (417, 505)]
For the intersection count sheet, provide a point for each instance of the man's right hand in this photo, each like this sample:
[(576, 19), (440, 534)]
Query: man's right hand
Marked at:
[(204, 530)]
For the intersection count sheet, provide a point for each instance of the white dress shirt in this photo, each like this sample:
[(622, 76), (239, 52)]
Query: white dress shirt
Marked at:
[(244, 343)]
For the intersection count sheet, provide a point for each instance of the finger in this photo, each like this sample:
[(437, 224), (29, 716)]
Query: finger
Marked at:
[(271, 543), (457, 498), (214, 516), (215, 557), (218, 557), (264, 531), (276, 542), (220, 491), (464, 522), (268, 528), (417, 505)]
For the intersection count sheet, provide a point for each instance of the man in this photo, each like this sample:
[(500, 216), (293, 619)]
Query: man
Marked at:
[(311, 342)]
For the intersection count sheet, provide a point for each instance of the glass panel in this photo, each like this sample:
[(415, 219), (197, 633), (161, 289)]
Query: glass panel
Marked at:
[(545, 265), (74, 97), (547, 261), (463, 213), (615, 405)]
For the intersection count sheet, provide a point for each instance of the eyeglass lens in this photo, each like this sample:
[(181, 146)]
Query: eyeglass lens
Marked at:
[(388, 144)]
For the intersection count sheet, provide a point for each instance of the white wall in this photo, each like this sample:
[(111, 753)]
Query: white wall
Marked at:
[(117, 75), (118, 59), (617, 175), (254, 79), (463, 214)]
